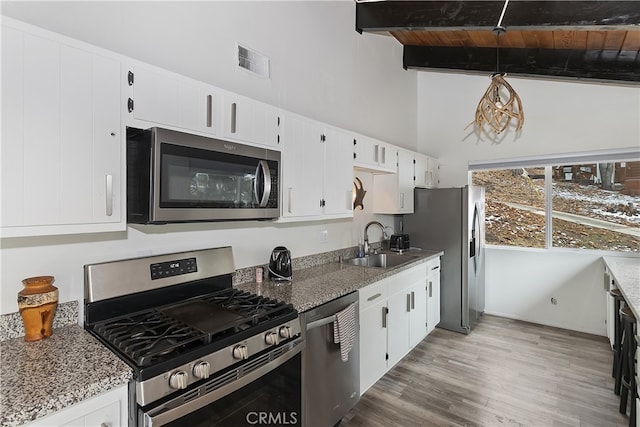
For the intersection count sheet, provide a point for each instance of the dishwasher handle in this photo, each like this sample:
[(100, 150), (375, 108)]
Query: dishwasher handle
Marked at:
[(321, 322)]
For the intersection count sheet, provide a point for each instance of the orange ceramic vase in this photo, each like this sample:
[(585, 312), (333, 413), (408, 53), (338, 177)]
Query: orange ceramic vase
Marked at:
[(37, 303)]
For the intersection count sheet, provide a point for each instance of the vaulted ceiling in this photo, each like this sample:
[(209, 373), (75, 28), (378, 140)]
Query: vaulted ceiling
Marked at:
[(593, 40)]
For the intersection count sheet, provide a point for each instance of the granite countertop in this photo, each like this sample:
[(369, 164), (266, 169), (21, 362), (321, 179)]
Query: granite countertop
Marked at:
[(314, 286), (626, 272), (42, 377)]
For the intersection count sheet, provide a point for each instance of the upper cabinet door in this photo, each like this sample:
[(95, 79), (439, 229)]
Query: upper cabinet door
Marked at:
[(393, 193), (426, 171), (338, 173), (302, 174), (199, 107), (154, 95), (251, 121), (163, 98), (372, 155), (62, 142)]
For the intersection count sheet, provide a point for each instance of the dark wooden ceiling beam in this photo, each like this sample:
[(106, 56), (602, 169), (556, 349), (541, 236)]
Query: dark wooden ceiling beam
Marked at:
[(396, 15), (562, 63)]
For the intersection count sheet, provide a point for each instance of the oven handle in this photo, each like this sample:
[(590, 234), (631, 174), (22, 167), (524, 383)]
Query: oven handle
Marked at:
[(266, 181), (165, 417)]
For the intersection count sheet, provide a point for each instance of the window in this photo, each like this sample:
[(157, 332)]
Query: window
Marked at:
[(592, 205)]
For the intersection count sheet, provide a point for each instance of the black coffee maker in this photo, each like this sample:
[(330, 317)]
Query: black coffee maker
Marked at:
[(280, 264)]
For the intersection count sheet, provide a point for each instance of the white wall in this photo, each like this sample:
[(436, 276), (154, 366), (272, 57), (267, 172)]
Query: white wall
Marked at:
[(521, 283), (320, 66), (560, 117)]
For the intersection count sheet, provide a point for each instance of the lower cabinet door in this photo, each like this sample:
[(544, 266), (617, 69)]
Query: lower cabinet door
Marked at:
[(373, 345), (398, 329), (418, 320)]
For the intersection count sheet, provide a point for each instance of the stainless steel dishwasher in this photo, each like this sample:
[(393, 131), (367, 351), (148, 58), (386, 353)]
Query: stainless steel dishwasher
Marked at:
[(331, 387)]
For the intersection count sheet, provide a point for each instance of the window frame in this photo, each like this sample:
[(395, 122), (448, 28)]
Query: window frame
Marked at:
[(548, 162)]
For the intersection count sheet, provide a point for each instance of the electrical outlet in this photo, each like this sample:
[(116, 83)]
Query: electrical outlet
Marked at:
[(324, 236)]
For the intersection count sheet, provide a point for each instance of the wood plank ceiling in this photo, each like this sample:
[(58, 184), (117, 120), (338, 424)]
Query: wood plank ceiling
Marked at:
[(593, 40)]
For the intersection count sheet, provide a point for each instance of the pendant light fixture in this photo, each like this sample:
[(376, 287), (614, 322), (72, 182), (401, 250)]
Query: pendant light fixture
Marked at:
[(500, 104)]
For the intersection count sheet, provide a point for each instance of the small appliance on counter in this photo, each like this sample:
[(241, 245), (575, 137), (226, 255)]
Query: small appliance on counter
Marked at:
[(280, 264), (399, 242)]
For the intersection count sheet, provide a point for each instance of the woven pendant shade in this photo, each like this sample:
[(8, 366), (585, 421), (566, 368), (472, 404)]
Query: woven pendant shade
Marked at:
[(498, 106)]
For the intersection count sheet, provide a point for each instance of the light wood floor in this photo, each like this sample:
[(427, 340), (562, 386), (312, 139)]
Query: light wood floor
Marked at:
[(505, 373)]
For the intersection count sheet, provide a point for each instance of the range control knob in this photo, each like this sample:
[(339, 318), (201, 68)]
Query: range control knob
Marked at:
[(201, 370), (285, 332), (178, 380), (271, 338), (240, 352)]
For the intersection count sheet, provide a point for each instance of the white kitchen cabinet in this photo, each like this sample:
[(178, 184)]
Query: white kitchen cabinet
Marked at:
[(302, 168), (317, 170), (419, 312), (373, 345), (393, 193), (107, 409), (160, 98), (426, 171), (407, 314), (373, 156), (62, 136), (393, 320), (398, 318), (338, 174), (373, 333), (433, 294), (247, 120)]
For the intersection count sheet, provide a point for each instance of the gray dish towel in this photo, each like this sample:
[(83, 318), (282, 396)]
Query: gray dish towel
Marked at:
[(344, 330)]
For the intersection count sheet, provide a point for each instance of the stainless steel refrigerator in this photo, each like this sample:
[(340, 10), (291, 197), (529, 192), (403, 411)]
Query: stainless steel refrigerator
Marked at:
[(452, 220)]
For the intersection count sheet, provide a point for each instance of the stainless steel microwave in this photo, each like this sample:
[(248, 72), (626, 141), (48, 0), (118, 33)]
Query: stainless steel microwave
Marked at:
[(179, 177)]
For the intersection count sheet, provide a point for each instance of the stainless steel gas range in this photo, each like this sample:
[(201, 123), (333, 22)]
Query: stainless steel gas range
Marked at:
[(202, 352)]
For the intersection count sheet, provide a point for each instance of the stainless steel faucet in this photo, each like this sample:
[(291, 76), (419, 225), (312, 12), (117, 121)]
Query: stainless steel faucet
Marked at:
[(366, 235)]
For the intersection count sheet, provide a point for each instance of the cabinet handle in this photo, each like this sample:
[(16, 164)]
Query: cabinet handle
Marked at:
[(233, 117), (384, 155), (413, 300), (402, 200), (375, 153), (437, 267), (426, 179), (209, 110), (289, 201), (105, 424), (109, 194), (430, 288), (408, 302), (385, 311), (372, 297)]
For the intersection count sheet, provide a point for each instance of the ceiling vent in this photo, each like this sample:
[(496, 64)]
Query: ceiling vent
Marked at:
[(253, 61)]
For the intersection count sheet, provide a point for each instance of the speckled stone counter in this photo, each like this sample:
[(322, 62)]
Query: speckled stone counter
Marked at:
[(626, 273), (314, 286), (42, 377)]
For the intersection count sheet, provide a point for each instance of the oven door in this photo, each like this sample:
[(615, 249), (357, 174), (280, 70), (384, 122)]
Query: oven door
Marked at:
[(265, 390), (203, 179)]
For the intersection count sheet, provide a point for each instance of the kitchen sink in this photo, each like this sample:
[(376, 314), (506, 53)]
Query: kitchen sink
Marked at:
[(386, 260)]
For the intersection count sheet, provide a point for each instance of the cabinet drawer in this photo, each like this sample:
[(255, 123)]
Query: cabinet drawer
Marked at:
[(433, 264), (403, 280), (373, 294)]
